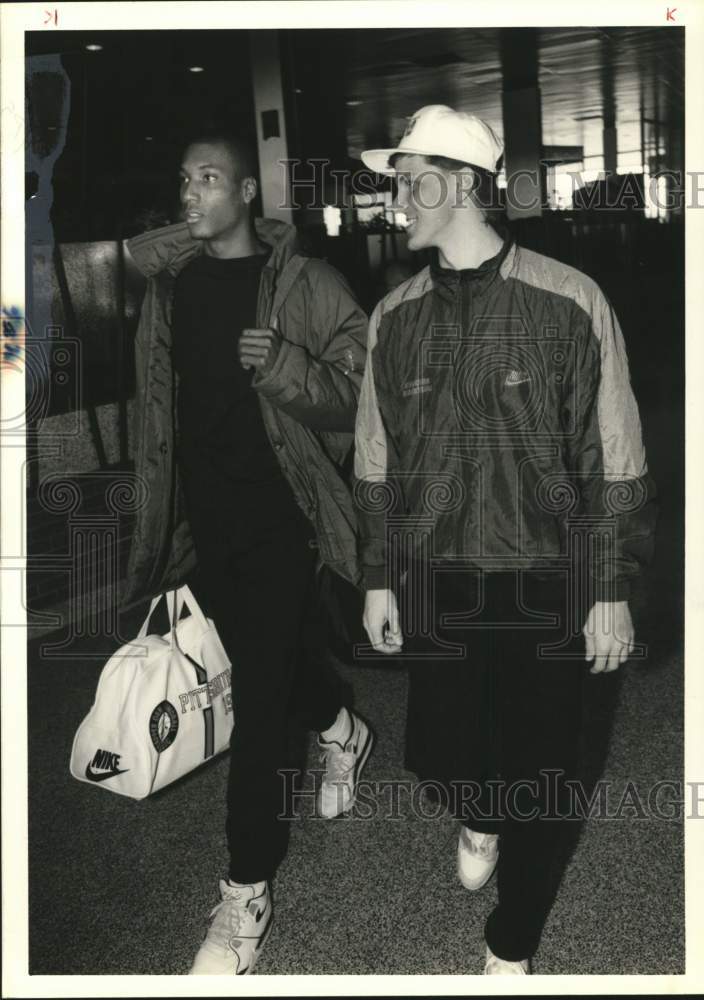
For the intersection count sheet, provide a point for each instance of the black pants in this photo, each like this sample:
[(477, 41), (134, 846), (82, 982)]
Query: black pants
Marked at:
[(498, 728), (262, 598)]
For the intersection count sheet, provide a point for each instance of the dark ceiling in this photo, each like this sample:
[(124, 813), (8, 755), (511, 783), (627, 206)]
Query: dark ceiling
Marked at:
[(394, 72), (133, 102)]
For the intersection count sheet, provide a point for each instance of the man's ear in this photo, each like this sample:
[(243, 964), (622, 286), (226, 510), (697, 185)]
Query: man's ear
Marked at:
[(249, 189), (466, 181)]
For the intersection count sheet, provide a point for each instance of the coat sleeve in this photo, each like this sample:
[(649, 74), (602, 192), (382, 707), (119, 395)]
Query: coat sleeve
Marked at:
[(606, 453), (318, 383), (375, 466)]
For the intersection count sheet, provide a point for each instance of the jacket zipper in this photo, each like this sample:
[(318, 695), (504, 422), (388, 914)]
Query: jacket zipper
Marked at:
[(492, 666), (466, 304)]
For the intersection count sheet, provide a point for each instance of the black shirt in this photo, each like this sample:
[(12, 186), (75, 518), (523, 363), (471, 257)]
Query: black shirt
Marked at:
[(226, 461)]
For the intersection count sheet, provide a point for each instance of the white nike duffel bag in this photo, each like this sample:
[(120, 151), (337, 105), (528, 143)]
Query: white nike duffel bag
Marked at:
[(163, 706)]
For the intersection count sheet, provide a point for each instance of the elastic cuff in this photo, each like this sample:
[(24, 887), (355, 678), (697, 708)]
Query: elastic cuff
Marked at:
[(274, 385), (375, 578), (613, 590), (509, 946), (244, 877)]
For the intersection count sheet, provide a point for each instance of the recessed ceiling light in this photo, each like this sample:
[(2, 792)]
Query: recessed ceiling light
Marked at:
[(196, 69), (353, 104), (94, 48)]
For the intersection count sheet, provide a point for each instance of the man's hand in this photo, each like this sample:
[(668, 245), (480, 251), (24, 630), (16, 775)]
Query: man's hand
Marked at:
[(381, 621), (259, 349), (608, 631)]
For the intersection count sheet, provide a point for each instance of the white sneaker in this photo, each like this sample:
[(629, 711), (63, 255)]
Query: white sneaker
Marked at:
[(477, 854), (343, 766), (240, 926), (496, 966)]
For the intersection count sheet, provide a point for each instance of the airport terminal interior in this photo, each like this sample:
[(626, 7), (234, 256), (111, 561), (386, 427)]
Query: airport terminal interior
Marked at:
[(119, 886)]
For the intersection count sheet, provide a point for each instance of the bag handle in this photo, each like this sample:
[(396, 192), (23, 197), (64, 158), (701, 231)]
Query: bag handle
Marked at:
[(184, 596), (143, 631)]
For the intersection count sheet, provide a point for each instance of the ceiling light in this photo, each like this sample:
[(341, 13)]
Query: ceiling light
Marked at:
[(298, 90), (196, 69), (148, 138), (353, 104), (94, 48)]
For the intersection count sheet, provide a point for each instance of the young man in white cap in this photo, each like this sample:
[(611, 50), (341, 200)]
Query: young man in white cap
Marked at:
[(505, 507)]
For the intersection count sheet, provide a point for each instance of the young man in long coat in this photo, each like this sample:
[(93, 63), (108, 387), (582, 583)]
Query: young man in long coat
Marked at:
[(249, 359)]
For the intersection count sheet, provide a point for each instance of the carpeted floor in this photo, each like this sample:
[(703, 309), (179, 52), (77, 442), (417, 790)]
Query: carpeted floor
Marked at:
[(118, 886)]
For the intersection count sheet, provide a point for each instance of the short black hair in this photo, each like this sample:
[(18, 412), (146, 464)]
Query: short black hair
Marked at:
[(241, 149), (484, 192)]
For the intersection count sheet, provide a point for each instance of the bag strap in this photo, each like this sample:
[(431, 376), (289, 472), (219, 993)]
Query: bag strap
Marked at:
[(286, 281), (172, 607), (184, 596), (175, 600)]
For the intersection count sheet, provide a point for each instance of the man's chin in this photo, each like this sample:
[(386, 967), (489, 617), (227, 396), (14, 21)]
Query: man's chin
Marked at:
[(198, 230), (414, 241)]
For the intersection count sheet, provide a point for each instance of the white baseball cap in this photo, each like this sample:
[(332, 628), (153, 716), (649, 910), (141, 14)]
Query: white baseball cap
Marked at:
[(437, 130)]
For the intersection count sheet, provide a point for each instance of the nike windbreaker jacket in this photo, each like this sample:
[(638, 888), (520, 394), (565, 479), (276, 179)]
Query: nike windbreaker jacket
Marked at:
[(497, 425)]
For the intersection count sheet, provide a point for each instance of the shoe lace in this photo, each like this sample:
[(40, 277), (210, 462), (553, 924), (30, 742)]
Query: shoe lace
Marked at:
[(482, 844), (492, 963), (228, 918), (496, 965), (338, 763)]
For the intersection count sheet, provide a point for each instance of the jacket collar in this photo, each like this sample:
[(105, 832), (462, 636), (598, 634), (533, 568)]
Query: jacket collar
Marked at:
[(448, 280), (170, 248)]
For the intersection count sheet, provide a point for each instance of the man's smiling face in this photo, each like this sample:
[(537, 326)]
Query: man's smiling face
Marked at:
[(425, 195), (213, 195)]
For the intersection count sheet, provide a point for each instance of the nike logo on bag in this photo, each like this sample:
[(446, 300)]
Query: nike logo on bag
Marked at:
[(102, 775), (107, 764), (517, 378)]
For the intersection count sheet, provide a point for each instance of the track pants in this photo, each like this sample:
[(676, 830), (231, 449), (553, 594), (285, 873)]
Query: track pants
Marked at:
[(262, 598), (498, 728)]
